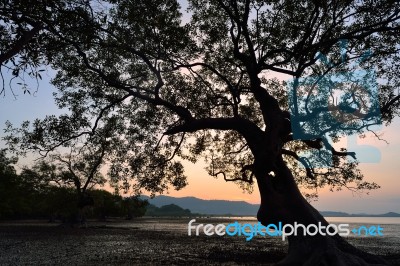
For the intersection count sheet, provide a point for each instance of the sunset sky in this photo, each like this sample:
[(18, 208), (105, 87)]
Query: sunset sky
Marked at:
[(385, 172)]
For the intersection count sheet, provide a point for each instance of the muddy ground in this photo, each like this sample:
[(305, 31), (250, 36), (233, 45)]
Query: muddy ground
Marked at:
[(146, 242)]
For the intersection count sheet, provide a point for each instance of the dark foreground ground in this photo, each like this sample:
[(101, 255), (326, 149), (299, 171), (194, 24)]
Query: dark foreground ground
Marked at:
[(146, 242)]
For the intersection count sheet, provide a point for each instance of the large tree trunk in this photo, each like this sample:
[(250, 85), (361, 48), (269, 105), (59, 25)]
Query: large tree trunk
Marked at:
[(281, 201)]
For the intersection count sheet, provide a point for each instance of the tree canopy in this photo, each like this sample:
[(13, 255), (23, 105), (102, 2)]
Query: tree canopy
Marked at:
[(211, 85), (248, 85)]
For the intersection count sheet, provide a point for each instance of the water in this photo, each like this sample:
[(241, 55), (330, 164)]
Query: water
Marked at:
[(389, 243), (364, 220), (357, 220), (390, 225)]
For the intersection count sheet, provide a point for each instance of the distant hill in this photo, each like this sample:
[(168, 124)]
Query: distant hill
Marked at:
[(236, 208), (388, 214), (344, 214), (334, 214), (168, 210), (209, 207)]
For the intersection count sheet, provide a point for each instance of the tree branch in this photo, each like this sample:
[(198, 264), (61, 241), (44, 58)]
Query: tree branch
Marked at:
[(245, 127), (20, 44), (302, 160), (338, 153), (385, 108)]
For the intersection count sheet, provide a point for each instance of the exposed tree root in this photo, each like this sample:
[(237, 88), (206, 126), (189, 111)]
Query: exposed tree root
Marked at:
[(329, 251)]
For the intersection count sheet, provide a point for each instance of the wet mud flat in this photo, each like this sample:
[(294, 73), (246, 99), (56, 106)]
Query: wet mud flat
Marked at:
[(147, 242)]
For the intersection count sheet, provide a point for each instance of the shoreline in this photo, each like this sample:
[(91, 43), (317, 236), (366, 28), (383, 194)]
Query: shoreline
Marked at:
[(146, 242)]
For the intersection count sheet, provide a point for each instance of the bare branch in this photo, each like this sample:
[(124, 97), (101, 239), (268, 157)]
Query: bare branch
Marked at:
[(302, 160)]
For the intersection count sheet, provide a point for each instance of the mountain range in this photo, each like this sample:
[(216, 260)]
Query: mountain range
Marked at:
[(208, 207), (235, 208)]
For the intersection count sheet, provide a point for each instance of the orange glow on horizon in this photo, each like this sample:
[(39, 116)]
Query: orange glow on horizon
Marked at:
[(385, 173)]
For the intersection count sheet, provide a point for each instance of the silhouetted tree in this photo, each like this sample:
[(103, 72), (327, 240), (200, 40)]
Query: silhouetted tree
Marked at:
[(207, 87), (8, 185), (79, 169), (134, 207), (45, 191), (17, 194), (168, 210)]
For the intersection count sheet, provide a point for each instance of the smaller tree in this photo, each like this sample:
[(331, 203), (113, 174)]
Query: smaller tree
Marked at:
[(79, 169), (8, 184), (107, 204), (6, 164), (60, 187), (21, 195), (58, 203), (134, 207)]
